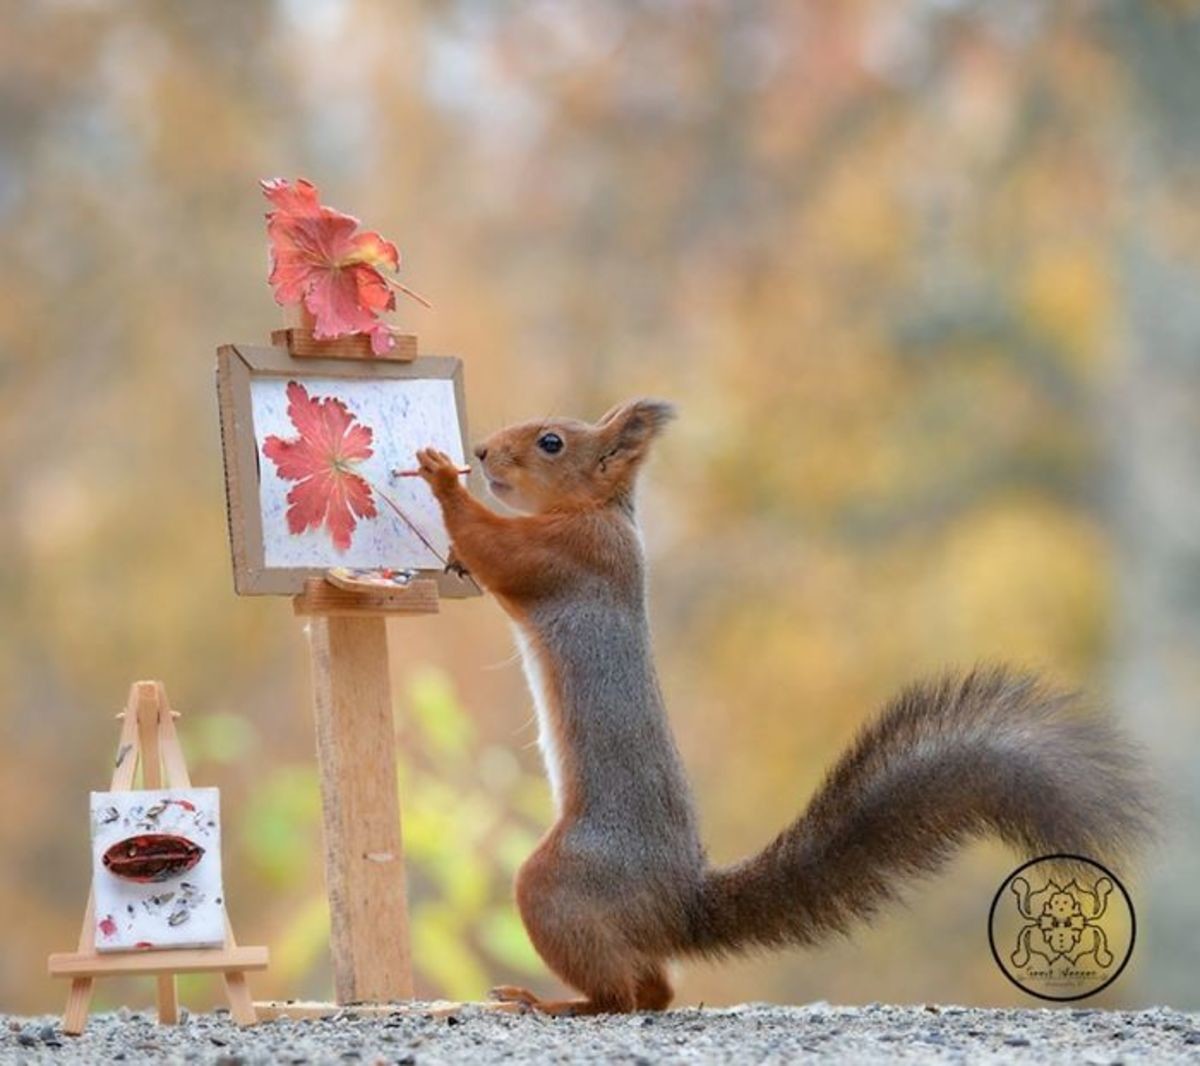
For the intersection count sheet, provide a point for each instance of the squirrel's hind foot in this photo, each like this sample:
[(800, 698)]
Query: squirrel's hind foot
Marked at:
[(530, 1002), (556, 1007)]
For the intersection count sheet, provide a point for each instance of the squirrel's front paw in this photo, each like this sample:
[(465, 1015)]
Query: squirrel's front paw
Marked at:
[(453, 566), (438, 470)]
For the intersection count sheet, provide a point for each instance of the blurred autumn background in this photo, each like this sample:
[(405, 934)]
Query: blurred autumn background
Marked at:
[(922, 275)]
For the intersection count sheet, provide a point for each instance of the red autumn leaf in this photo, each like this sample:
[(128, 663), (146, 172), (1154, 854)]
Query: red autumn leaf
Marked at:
[(319, 460), (319, 258)]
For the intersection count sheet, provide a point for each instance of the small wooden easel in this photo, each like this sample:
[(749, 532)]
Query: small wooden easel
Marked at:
[(148, 736)]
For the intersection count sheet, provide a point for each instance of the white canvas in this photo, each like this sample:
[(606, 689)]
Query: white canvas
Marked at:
[(404, 415), (186, 907)]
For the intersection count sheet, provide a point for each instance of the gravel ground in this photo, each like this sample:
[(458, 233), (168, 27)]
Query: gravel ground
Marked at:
[(748, 1034)]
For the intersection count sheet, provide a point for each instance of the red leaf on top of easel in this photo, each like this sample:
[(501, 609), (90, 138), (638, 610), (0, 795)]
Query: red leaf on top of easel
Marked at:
[(320, 461), (318, 257)]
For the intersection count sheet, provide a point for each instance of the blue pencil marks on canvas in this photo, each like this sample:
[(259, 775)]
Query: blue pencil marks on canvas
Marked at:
[(404, 415)]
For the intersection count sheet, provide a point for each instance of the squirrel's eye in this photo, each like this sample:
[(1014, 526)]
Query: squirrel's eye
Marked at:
[(550, 443)]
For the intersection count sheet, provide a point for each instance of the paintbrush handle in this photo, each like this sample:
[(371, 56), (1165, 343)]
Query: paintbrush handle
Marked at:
[(416, 473)]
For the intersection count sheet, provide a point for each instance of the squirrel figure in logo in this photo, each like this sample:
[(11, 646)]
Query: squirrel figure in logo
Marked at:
[(620, 884)]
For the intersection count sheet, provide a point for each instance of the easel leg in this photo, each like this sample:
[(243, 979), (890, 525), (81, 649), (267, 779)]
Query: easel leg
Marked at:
[(168, 1001), (241, 1006), (79, 999), (151, 708), (364, 863)]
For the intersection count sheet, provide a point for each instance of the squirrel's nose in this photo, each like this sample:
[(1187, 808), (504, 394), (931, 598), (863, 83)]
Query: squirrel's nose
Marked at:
[(481, 451)]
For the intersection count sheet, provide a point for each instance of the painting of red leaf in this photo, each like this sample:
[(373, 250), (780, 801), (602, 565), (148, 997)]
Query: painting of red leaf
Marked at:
[(321, 459), (326, 448), (320, 258)]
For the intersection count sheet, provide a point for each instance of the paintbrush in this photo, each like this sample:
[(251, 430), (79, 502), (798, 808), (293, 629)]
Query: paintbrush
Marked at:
[(416, 473)]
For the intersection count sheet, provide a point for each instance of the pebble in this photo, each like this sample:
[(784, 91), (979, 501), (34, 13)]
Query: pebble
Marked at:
[(882, 1035)]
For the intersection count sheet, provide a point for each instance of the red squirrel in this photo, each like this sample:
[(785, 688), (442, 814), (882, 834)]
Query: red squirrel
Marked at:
[(620, 884)]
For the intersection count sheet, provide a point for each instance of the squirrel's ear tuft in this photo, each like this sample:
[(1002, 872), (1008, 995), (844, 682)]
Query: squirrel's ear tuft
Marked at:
[(644, 416), (626, 432)]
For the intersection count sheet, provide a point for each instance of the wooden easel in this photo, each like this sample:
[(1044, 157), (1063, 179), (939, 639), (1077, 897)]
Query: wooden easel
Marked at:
[(148, 737), (356, 752), (356, 738)]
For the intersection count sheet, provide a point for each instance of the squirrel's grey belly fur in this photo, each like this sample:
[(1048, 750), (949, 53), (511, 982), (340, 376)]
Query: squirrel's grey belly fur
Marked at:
[(628, 829)]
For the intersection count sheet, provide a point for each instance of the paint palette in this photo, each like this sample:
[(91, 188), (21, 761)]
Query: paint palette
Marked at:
[(378, 579)]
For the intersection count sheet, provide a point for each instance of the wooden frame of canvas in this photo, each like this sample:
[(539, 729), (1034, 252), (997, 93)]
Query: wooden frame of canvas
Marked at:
[(237, 366)]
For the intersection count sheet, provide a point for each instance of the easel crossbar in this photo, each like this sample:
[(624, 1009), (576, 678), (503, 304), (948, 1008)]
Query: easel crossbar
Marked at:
[(184, 960)]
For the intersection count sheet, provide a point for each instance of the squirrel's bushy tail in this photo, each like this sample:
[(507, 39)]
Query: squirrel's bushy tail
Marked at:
[(991, 752)]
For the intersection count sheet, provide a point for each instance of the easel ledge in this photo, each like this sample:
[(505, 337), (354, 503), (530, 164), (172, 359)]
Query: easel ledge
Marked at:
[(301, 342), (304, 1010), (322, 598), (184, 960)]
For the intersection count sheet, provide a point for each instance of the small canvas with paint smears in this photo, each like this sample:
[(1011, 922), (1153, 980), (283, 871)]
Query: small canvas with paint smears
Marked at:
[(156, 869)]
